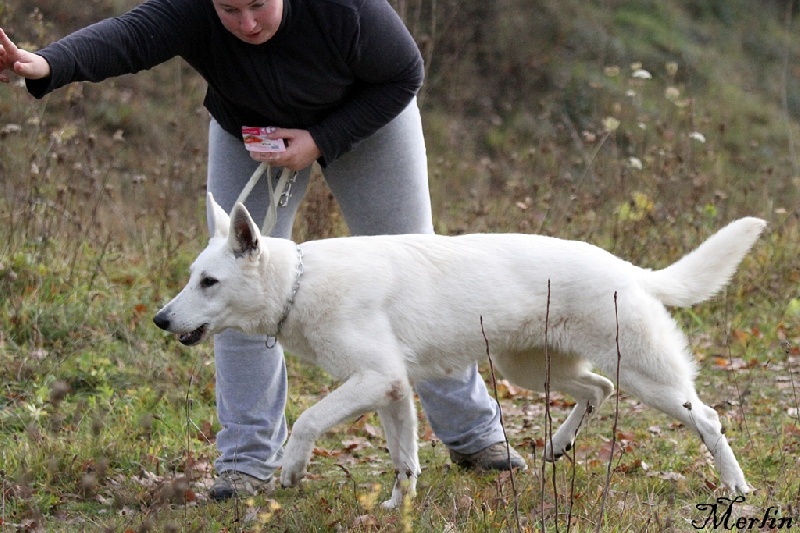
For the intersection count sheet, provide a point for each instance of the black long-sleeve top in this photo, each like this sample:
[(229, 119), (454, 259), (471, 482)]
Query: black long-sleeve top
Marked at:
[(341, 69)]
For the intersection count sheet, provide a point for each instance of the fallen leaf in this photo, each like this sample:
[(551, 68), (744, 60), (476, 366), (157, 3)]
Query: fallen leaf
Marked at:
[(505, 389), (740, 335), (545, 508), (356, 443), (721, 361), (633, 466), (625, 436), (322, 452), (365, 520), (373, 431), (670, 476)]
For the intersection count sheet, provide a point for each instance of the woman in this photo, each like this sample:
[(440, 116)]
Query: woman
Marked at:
[(338, 79)]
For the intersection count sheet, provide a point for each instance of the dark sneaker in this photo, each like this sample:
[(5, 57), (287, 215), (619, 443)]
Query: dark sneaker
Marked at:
[(232, 483), (494, 457)]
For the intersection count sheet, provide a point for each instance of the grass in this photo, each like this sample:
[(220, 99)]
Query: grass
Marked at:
[(106, 424)]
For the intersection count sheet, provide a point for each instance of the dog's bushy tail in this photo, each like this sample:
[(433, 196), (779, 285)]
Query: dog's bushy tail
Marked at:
[(700, 274)]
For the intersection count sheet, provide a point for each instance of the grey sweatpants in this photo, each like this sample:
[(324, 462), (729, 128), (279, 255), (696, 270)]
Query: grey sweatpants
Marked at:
[(382, 188)]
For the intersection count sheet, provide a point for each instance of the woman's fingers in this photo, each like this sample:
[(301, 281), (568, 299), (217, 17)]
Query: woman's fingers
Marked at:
[(19, 61)]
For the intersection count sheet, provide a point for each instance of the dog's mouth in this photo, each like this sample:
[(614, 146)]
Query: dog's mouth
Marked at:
[(193, 337)]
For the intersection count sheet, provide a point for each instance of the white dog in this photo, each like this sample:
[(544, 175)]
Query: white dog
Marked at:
[(382, 312)]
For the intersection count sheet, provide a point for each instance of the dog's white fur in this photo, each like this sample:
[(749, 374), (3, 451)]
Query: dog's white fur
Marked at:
[(383, 312)]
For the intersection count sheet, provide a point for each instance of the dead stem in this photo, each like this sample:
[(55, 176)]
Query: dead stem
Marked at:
[(548, 417), (502, 425), (614, 428)]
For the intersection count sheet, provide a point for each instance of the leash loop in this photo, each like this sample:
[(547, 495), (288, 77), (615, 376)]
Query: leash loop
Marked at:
[(284, 185)]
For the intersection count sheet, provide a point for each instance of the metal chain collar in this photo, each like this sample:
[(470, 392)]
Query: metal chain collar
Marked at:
[(290, 302)]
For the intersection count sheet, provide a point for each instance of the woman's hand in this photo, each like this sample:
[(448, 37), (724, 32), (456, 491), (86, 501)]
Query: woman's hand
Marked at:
[(19, 61), (301, 150)]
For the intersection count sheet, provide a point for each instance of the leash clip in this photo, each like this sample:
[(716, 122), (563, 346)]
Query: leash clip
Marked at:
[(287, 191)]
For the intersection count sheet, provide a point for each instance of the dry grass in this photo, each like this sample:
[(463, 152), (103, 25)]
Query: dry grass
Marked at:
[(106, 424)]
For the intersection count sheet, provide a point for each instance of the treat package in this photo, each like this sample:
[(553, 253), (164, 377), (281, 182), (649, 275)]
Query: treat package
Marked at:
[(255, 139)]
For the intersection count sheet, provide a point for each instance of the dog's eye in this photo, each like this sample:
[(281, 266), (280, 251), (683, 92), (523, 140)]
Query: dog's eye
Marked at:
[(208, 282)]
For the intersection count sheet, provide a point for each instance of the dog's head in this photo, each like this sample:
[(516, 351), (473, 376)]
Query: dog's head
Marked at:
[(225, 288)]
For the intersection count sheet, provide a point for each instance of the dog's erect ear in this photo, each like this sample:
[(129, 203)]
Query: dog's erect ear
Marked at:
[(244, 236), (218, 219)]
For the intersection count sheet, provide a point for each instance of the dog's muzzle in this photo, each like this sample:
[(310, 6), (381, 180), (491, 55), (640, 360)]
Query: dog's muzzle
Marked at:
[(187, 339)]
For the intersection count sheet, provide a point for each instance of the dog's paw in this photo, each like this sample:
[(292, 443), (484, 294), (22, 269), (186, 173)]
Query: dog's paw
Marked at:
[(555, 453), (292, 470), (296, 456), (735, 483), (291, 478), (739, 487), (392, 503), (405, 487)]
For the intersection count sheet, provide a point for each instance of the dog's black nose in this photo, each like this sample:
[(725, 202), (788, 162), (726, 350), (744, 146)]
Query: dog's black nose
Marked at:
[(161, 321)]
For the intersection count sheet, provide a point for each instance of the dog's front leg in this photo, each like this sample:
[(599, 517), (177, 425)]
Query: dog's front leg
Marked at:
[(399, 420), (361, 393)]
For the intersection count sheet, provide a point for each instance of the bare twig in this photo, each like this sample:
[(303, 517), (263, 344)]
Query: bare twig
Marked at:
[(786, 346), (349, 476), (502, 425), (3, 489), (574, 466), (187, 469), (548, 416), (567, 195), (614, 429)]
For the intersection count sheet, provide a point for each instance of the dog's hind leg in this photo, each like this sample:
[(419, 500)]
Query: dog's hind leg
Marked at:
[(568, 374), (399, 422), (363, 392), (680, 401), (589, 390), (656, 366), (705, 421)]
